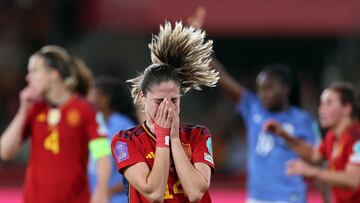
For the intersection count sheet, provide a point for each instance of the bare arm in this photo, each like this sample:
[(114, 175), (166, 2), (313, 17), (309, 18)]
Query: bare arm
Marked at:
[(301, 147), (151, 184), (231, 87), (10, 140), (226, 81), (101, 194), (195, 179), (348, 178)]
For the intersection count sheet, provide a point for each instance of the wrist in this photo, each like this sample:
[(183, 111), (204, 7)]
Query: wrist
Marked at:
[(315, 172), (162, 136)]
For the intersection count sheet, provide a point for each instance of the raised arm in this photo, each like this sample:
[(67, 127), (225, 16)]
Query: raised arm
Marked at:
[(151, 183), (231, 87), (195, 179), (10, 140)]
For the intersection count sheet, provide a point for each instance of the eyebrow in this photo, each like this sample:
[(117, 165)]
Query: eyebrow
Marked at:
[(161, 99)]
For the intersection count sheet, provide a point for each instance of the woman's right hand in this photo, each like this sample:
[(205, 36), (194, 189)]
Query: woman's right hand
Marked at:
[(28, 95), (164, 114)]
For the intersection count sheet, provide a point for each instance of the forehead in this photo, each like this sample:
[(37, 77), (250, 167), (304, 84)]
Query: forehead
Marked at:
[(168, 89), (265, 78), (35, 61), (329, 94)]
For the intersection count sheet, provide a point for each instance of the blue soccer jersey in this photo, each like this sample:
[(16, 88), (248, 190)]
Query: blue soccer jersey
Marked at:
[(268, 153), (116, 122)]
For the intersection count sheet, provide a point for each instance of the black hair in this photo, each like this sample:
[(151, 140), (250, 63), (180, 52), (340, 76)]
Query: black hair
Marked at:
[(285, 76), (348, 95), (119, 95)]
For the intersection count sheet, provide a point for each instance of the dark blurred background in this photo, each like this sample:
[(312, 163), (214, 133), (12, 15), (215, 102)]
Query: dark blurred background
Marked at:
[(319, 39)]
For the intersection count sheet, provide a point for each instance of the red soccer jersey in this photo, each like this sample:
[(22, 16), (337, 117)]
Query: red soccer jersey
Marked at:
[(342, 151), (59, 139), (138, 145)]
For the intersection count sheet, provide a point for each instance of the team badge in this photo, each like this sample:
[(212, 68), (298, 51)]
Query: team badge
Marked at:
[(41, 117), (73, 117), (54, 116), (121, 151)]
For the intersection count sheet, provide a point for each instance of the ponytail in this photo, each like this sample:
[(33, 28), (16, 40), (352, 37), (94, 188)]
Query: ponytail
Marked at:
[(73, 70)]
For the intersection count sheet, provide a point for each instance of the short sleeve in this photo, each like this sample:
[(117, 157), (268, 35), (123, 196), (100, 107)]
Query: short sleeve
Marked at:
[(246, 104), (125, 151), (95, 125), (203, 148), (354, 157)]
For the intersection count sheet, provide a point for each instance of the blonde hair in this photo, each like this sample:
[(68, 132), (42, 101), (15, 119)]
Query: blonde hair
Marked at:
[(181, 54), (75, 73)]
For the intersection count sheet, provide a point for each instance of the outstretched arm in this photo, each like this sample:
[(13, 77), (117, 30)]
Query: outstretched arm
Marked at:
[(231, 87), (348, 178), (195, 179)]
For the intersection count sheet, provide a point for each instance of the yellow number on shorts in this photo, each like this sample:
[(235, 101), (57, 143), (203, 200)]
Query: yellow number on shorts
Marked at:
[(51, 142)]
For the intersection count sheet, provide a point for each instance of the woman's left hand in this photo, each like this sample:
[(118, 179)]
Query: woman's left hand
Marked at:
[(175, 122)]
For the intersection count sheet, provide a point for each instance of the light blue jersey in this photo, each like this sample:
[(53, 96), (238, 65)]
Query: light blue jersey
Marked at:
[(115, 123), (268, 153)]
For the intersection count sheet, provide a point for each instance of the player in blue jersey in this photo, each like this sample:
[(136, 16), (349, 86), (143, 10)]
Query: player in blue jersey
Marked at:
[(115, 103), (277, 99)]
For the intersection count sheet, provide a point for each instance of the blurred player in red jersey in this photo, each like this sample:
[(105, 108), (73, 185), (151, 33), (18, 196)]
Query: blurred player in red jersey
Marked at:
[(61, 126), (339, 112), (163, 159)]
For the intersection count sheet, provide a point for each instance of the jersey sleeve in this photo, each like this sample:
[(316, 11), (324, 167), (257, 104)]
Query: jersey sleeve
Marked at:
[(125, 151), (354, 151), (95, 125), (203, 148), (246, 104)]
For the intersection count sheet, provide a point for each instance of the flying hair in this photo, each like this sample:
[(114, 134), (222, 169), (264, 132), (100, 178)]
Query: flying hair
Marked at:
[(183, 54)]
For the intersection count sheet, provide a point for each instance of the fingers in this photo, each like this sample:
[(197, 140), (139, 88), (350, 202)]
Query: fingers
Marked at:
[(164, 114), (294, 167), (198, 19)]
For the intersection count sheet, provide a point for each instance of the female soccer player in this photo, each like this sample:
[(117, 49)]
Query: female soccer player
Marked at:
[(114, 100), (277, 98), (61, 125), (163, 159), (339, 112)]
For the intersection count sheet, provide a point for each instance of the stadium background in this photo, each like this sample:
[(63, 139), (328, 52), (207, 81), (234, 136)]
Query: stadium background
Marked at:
[(319, 39)]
